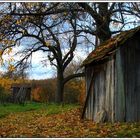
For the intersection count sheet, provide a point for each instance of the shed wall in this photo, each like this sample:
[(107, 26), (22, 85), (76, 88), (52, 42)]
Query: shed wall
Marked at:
[(101, 100), (131, 68), (116, 85)]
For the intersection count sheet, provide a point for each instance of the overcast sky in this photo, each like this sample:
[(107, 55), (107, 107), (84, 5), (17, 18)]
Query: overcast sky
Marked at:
[(38, 70)]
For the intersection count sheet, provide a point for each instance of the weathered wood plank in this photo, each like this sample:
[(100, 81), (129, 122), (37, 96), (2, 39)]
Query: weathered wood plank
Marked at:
[(112, 88), (130, 83), (107, 90), (116, 85), (120, 91), (88, 95), (137, 80)]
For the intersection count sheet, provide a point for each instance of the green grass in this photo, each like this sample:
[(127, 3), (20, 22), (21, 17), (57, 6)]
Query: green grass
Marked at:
[(56, 108), (50, 108)]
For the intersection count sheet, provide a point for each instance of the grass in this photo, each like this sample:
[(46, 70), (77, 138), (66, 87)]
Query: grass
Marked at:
[(51, 108), (56, 108)]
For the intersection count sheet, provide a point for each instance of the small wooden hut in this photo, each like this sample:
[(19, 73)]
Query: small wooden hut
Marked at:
[(113, 79), (21, 93)]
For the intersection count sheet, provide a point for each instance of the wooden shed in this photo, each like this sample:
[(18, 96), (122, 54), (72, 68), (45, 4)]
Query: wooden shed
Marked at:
[(21, 93), (113, 79)]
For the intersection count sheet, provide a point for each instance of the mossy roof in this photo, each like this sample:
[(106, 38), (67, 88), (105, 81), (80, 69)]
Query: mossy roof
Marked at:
[(106, 48)]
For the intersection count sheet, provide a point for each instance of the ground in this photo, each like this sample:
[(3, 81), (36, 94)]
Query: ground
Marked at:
[(59, 121)]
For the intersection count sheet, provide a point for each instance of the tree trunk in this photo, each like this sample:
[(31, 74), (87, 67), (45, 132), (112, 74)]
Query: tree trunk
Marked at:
[(59, 87), (103, 32), (103, 29)]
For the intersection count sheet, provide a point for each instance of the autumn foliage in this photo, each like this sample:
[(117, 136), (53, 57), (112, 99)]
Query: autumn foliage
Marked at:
[(5, 87), (39, 94), (44, 91), (75, 91), (65, 124)]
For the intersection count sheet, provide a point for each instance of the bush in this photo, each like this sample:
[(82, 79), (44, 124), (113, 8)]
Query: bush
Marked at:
[(74, 91), (4, 95), (44, 90), (39, 95)]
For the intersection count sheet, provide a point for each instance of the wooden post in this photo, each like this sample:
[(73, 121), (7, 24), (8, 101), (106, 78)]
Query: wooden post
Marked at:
[(87, 97)]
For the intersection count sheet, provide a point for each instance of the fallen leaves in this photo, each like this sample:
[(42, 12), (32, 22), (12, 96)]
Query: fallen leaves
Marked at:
[(67, 124)]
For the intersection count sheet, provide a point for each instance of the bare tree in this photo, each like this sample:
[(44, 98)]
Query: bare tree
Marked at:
[(104, 15), (45, 25), (45, 33)]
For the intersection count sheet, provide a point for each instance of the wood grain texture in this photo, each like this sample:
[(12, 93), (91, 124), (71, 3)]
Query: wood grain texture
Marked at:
[(116, 85)]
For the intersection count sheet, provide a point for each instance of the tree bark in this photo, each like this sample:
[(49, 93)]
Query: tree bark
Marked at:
[(102, 20), (61, 81), (102, 24), (59, 87)]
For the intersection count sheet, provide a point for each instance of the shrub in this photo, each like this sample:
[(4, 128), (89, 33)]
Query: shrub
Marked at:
[(74, 91), (4, 95), (43, 90)]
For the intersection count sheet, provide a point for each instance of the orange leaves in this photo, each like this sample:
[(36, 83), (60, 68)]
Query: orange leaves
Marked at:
[(22, 20), (7, 42), (47, 43), (11, 68), (75, 91), (82, 90), (18, 21), (7, 82), (36, 94), (5, 55), (39, 94), (67, 124)]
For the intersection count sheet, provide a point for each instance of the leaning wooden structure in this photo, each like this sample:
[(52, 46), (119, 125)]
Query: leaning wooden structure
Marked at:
[(21, 93), (113, 79)]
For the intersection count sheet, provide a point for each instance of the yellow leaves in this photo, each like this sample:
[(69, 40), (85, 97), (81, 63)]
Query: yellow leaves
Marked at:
[(47, 43), (67, 124), (7, 82), (11, 68), (1, 53), (22, 20), (9, 50), (31, 5), (36, 94), (75, 91), (6, 18), (65, 13), (18, 21), (7, 42), (7, 59), (1, 59)]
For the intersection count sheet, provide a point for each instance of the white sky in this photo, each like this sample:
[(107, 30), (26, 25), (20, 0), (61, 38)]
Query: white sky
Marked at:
[(38, 71)]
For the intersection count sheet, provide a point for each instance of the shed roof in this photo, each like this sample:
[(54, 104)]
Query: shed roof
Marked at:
[(21, 85), (109, 46)]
